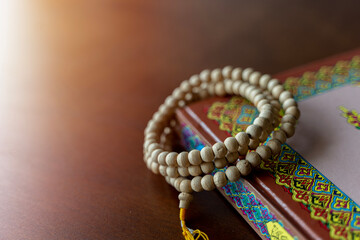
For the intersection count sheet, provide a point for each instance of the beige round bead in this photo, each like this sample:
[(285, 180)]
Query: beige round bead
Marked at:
[(232, 173), (267, 114), (288, 128), (254, 78), (274, 145), (264, 135), (155, 167), (294, 111), (258, 98), (284, 96), (242, 150), (162, 158), (242, 138), (185, 200), (177, 183), (183, 171), (277, 90), (220, 89), (153, 146), (226, 71), (243, 88), (182, 159), (264, 80), (177, 94), (289, 103), (205, 75), (231, 144), (172, 172), (171, 158), (155, 154), (236, 87), (228, 84), (264, 123), (207, 182), (207, 154), (219, 150), (194, 157), (254, 131), (195, 170), (279, 135), (232, 157), (288, 118), (236, 73), (185, 86), (220, 162), (254, 93), (248, 90), (272, 83), (220, 179), (264, 152), (162, 170), (261, 103), (246, 73), (216, 75), (244, 167), (253, 158), (211, 89), (196, 184), (207, 167), (185, 186)]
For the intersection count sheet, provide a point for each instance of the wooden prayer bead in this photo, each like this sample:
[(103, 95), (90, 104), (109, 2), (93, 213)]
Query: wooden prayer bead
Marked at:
[(246, 73), (205, 75), (195, 80), (294, 111), (228, 84), (242, 150), (264, 152), (162, 158), (236, 87), (172, 172), (284, 95), (177, 94), (236, 73), (242, 138), (194, 157), (244, 167), (155, 154), (185, 186), (183, 159), (207, 167), (264, 135), (185, 200), (264, 80), (155, 167), (153, 146), (257, 98), (162, 170), (288, 118), (253, 93), (253, 158), (267, 114), (272, 83), (219, 150), (288, 128), (254, 131), (262, 103), (220, 89), (207, 182), (277, 90), (248, 90), (196, 184), (207, 154), (194, 170), (220, 162), (264, 123), (231, 157), (243, 88), (220, 179), (289, 103), (183, 171), (171, 157), (226, 71), (232, 173), (254, 78), (177, 183), (231, 144), (216, 75), (274, 145), (279, 135), (253, 143)]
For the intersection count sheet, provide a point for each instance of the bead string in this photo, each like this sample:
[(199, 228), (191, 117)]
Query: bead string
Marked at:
[(266, 93)]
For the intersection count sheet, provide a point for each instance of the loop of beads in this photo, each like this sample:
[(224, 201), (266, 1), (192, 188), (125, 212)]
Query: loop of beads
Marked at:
[(191, 171)]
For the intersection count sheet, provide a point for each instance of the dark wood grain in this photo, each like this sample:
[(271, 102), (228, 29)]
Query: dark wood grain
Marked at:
[(80, 79)]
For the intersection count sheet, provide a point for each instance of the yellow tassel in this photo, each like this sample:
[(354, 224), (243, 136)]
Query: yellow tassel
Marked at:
[(186, 231)]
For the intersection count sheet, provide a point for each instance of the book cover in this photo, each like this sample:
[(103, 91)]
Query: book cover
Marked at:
[(309, 190)]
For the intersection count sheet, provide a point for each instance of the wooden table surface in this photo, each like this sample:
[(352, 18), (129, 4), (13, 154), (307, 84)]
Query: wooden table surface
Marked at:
[(80, 79)]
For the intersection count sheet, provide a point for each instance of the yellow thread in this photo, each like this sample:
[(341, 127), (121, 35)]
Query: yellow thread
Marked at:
[(186, 233)]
